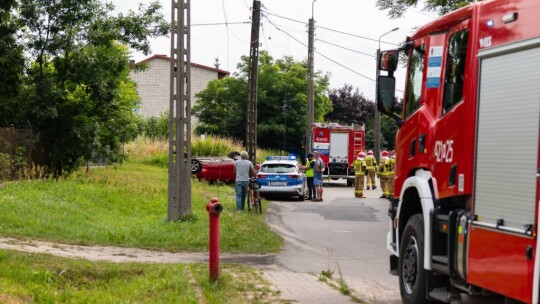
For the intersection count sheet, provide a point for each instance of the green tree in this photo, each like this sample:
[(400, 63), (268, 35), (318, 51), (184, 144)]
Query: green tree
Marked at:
[(11, 64), (77, 95), (282, 103), (350, 106), (396, 8)]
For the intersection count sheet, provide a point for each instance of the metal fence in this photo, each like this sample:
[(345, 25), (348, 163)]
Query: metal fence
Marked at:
[(16, 153)]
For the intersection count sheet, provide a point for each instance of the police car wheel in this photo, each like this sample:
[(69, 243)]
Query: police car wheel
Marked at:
[(306, 191)]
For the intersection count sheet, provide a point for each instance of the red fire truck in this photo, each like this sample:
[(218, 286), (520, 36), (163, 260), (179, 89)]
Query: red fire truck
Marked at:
[(464, 218), (338, 146)]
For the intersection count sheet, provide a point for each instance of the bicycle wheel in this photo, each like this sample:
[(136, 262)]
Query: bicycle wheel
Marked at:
[(258, 206), (250, 200)]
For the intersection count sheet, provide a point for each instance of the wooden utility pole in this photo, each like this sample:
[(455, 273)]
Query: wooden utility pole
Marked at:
[(180, 113), (251, 123), (377, 116)]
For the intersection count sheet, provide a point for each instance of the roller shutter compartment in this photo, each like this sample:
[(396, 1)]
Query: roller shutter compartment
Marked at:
[(507, 139)]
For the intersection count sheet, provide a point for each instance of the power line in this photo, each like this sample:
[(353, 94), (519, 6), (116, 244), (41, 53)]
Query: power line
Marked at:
[(344, 66), (346, 48), (330, 29), (264, 36), (227, 26), (324, 56), (354, 35), (286, 18), (222, 23), (422, 13)]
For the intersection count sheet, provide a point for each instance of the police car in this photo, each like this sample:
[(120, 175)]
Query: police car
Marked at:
[(281, 175)]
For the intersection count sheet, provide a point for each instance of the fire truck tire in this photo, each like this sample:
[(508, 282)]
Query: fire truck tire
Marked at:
[(350, 182), (412, 275)]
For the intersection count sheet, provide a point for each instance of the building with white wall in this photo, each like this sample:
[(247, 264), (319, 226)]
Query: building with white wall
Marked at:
[(153, 84)]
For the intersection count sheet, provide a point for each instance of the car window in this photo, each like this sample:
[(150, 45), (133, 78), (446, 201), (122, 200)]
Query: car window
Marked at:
[(455, 69), (278, 168), (414, 80)]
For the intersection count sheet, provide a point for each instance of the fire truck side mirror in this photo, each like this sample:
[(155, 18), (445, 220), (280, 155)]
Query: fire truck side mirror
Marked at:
[(386, 96), (388, 60)]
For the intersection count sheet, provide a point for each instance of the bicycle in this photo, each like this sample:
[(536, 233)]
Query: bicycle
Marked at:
[(254, 198)]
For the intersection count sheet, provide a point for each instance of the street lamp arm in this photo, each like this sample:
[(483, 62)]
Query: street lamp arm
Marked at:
[(392, 30)]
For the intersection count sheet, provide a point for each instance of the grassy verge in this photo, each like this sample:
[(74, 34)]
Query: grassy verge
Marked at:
[(31, 278), (126, 206)]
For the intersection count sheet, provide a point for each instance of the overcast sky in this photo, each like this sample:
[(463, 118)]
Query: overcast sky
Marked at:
[(228, 43)]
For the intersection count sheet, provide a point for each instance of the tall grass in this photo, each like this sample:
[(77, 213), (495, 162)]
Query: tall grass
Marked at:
[(155, 151), (214, 146)]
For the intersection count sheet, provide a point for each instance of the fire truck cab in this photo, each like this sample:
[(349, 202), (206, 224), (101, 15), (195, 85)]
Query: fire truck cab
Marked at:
[(464, 218)]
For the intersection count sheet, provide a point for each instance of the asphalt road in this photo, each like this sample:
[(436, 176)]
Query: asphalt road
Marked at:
[(342, 234)]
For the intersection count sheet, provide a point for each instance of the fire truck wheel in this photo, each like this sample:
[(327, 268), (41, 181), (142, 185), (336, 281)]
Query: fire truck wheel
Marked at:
[(350, 182), (412, 275)]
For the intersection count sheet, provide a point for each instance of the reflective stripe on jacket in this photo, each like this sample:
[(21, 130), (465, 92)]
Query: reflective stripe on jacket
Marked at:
[(385, 166), (309, 171), (359, 167), (371, 163)]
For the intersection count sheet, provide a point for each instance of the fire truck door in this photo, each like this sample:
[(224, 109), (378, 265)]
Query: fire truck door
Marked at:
[(448, 138), (501, 243)]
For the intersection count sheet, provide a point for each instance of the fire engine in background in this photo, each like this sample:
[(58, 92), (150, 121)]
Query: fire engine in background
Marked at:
[(466, 208), (338, 146)]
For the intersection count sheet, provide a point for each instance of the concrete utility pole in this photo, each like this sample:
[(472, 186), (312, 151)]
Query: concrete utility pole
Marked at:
[(251, 123), (377, 118), (180, 113), (310, 90)]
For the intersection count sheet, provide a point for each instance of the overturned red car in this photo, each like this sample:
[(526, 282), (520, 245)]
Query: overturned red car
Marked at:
[(216, 169), (213, 169)]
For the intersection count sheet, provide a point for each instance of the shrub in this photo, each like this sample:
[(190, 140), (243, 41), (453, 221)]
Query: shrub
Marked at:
[(155, 151)]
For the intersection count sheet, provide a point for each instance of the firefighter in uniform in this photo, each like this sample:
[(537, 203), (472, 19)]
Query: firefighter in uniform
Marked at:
[(371, 164), (359, 166), (391, 175), (384, 174)]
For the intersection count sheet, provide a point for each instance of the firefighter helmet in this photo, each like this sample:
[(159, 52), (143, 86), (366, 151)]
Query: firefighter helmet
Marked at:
[(393, 152), (385, 153), (361, 154), (370, 152)]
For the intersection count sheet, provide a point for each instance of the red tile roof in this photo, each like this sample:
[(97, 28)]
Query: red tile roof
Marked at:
[(221, 73)]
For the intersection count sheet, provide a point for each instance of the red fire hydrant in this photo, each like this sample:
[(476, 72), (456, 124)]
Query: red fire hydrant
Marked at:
[(214, 208)]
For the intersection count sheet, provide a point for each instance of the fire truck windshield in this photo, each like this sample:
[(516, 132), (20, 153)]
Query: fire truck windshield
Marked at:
[(414, 80)]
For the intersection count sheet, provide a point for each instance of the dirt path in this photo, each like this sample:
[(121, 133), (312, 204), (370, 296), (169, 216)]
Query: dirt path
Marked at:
[(126, 255)]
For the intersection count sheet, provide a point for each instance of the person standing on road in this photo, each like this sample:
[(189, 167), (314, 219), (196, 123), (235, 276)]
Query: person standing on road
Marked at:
[(310, 163), (391, 175), (359, 166), (384, 174), (318, 176), (244, 169), (371, 164)]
